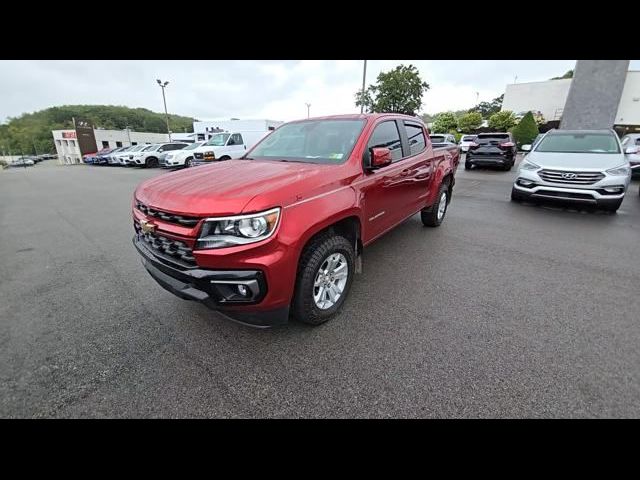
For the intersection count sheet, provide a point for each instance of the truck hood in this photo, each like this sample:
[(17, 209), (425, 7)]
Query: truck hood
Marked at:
[(225, 188), (576, 161)]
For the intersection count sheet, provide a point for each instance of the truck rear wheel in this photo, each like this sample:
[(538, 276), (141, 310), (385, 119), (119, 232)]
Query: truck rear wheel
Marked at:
[(434, 215), (325, 273)]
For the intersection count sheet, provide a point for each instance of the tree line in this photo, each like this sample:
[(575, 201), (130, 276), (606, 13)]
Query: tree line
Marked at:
[(30, 133)]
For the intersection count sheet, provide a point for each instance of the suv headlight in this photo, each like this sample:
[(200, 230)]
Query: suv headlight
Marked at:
[(619, 171), (527, 165), (237, 230)]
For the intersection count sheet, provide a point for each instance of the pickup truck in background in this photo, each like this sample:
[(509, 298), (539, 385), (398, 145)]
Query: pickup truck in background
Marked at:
[(280, 231), (227, 146)]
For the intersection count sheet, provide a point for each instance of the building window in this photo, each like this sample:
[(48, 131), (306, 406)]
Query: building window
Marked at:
[(105, 144), (66, 142), (118, 144), (58, 142), (134, 143), (72, 143)]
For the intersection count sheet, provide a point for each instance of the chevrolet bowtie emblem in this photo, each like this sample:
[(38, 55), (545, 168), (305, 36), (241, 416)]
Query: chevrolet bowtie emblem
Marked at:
[(147, 227)]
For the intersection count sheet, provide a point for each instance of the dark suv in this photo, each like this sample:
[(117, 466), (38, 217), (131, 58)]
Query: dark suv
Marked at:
[(493, 149)]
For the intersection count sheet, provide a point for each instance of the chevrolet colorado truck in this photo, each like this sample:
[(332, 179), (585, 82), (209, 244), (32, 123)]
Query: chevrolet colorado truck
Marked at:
[(279, 232)]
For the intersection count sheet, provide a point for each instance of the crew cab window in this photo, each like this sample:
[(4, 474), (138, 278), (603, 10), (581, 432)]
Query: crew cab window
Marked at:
[(386, 135), (415, 136)]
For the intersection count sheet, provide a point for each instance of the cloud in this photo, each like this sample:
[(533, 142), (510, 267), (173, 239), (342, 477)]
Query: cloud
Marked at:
[(251, 89)]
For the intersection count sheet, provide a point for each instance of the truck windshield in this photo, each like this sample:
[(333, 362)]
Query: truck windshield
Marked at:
[(578, 143), (218, 140), (193, 146), (311, 141)]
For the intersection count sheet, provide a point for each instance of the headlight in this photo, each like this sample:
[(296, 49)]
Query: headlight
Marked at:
[(238, 230), (619, 171), (527, 165), (169, 156)]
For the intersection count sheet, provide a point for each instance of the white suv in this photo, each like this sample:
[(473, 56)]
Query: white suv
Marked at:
[(578, 166), (150, 157), (180, 158)]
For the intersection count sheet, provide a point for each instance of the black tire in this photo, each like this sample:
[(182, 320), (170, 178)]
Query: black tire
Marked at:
[(187, 162), (314, 255), (612, 207), (222, 159), (468, 165), (152, 162), (429, 216), (507, 167)]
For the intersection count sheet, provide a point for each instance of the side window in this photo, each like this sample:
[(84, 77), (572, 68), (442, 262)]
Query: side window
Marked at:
[(416, 138), (386, 135), (237, 139)]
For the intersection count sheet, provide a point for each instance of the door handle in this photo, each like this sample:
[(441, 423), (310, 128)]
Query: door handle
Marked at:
[(405, 172)]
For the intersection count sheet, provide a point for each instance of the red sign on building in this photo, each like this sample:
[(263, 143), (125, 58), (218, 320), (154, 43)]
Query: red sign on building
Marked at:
[(68, 134)]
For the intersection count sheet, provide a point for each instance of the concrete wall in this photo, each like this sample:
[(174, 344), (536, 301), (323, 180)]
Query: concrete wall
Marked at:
[(548, 97), (595, 94), (629, 109)]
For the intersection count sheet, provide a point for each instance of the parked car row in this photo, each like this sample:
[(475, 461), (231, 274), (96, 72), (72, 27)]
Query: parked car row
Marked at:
[(221, 146), (29, 161)]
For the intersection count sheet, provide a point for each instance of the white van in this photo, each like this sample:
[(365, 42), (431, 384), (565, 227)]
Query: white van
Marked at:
[(227, 146)]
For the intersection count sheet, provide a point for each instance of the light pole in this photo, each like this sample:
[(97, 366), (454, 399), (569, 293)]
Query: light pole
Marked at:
[(164, 99), (477, 97), (308, 108), (364, 77), (128, 135)]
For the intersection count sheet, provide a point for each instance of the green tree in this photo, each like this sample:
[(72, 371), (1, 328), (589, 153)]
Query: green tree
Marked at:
[(399, 91), (487, 109), (568, 74), (470, 122), (502, 121), (444, 123), (526, 130)]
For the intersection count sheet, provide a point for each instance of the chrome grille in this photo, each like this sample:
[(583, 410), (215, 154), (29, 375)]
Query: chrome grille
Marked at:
[(168, 248), (167, 217), (570, 178)]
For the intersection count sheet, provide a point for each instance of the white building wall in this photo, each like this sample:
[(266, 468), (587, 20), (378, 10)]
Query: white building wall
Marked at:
[(629, 108), (257, 125), (547, 97)]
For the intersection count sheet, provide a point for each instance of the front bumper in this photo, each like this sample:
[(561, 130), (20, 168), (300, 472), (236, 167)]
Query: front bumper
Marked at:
[(594, 194), (213, 288)]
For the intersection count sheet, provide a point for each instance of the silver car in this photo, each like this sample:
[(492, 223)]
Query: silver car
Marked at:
[(631, 145), (580, 166)]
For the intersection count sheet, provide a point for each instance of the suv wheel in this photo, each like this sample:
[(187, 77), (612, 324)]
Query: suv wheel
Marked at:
[(467, 165), (152, 162), (434, 216), (325, 274), (187, 162)]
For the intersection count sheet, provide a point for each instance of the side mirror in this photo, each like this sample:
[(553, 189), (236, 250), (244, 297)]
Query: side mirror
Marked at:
[(632, 150), (526, 148), (380, 157)]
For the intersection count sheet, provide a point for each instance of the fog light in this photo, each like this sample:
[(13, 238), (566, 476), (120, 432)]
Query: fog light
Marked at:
[(524, 182), (614, 189), (242, 290)]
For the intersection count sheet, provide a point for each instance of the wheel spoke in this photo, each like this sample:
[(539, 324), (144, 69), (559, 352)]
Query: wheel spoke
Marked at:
[(332, 293)]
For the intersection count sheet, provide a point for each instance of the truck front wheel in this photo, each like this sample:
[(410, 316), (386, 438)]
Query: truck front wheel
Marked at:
[(434, 215), (325, 274)]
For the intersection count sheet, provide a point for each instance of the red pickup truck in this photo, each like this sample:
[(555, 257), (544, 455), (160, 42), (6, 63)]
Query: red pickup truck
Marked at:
[(280, 231)]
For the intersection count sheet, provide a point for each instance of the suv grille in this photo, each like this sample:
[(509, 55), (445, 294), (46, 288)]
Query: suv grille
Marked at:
[(167, 248), (572, 178), (167, 217)]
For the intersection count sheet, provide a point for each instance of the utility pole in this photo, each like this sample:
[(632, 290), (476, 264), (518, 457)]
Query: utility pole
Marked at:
[(515, 79), (364, 78), (128, 135), (477, 97), (164, 99), (35, 149), (308, 108)]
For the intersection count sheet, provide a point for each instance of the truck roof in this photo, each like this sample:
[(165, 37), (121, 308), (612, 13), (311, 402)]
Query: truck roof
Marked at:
[(363, 116)]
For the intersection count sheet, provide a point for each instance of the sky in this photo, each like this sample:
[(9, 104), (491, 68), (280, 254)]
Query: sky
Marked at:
[(272, 89)]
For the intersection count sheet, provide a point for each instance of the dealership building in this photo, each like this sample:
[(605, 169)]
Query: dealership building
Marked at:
[(68, 148), (550, 98)]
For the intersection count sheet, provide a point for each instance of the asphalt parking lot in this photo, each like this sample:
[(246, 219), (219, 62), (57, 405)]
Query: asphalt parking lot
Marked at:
[(507, 310)]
